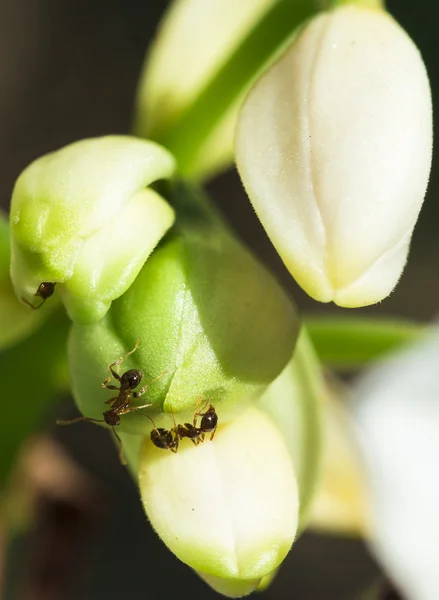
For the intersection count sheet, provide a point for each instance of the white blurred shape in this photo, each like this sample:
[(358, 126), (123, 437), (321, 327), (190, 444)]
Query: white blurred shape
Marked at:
[(396, 410)]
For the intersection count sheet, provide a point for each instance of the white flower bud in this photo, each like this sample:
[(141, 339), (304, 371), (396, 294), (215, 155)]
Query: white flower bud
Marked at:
[(334, 148), (228, 507)]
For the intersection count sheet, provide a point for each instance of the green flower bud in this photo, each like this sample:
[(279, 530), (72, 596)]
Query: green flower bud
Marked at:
[(227, 507), (172, 80), (211, 321), (85, 218)]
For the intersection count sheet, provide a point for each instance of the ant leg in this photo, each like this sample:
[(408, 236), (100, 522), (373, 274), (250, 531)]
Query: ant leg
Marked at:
[(213, 433), (131, 409), (111, 400), (146, 386), (194, 420), (77, 420), (121, 455), (109, 387), (174, 447), (117, 362), (31, 305)]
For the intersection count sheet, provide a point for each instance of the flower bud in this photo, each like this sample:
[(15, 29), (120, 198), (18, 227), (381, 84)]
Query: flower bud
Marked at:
[(212, 322), (334, 148), (227, 507), (194, 41), (83, 217)]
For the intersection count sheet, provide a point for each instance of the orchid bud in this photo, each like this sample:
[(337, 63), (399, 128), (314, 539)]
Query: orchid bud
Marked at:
[(231, 506), (228, 507), (334, 145), (84, 218)]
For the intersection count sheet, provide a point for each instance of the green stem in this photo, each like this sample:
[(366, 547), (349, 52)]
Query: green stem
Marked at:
[(379, 4), (351, 342), (269, 35)]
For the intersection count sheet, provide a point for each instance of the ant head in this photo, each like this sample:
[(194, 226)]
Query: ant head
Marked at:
[(111, 418), (131, 379), (209, 420), (162, 438), (45, 289)]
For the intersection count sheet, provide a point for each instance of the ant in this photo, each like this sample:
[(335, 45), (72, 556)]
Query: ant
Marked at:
[(44, 291), (120, 404), (169, 439)]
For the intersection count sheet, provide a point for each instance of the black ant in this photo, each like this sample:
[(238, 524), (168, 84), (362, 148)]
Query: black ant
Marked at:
[(169, 439), (120, 404), (44, 291)]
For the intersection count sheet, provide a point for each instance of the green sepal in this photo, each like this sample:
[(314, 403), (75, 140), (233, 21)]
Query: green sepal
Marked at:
[(212, 323)]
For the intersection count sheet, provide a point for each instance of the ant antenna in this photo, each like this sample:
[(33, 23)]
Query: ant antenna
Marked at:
[(173, 416), (121, 454), (79, 419), (146, 386), (150, 418)]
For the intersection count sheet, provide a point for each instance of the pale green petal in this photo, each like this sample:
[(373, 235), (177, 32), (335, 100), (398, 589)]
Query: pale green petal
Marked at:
[(294, 401), (81, 217), (177, 69), (232, 588), (228, 507)]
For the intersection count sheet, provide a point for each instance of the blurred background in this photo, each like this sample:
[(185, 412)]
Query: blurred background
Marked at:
[(68, 70)]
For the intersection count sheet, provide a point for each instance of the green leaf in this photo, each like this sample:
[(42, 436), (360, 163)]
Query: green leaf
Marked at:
[(352, 342)]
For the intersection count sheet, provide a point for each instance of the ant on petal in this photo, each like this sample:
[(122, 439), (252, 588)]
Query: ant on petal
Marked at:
[(169, 439), (120, 404), (44, 291)]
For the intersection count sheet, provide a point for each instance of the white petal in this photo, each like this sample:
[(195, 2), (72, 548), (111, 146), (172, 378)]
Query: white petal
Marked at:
[(334, 148), (227, 508)]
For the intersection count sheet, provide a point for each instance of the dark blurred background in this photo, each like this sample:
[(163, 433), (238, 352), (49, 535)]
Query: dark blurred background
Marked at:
[(68, 70)]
